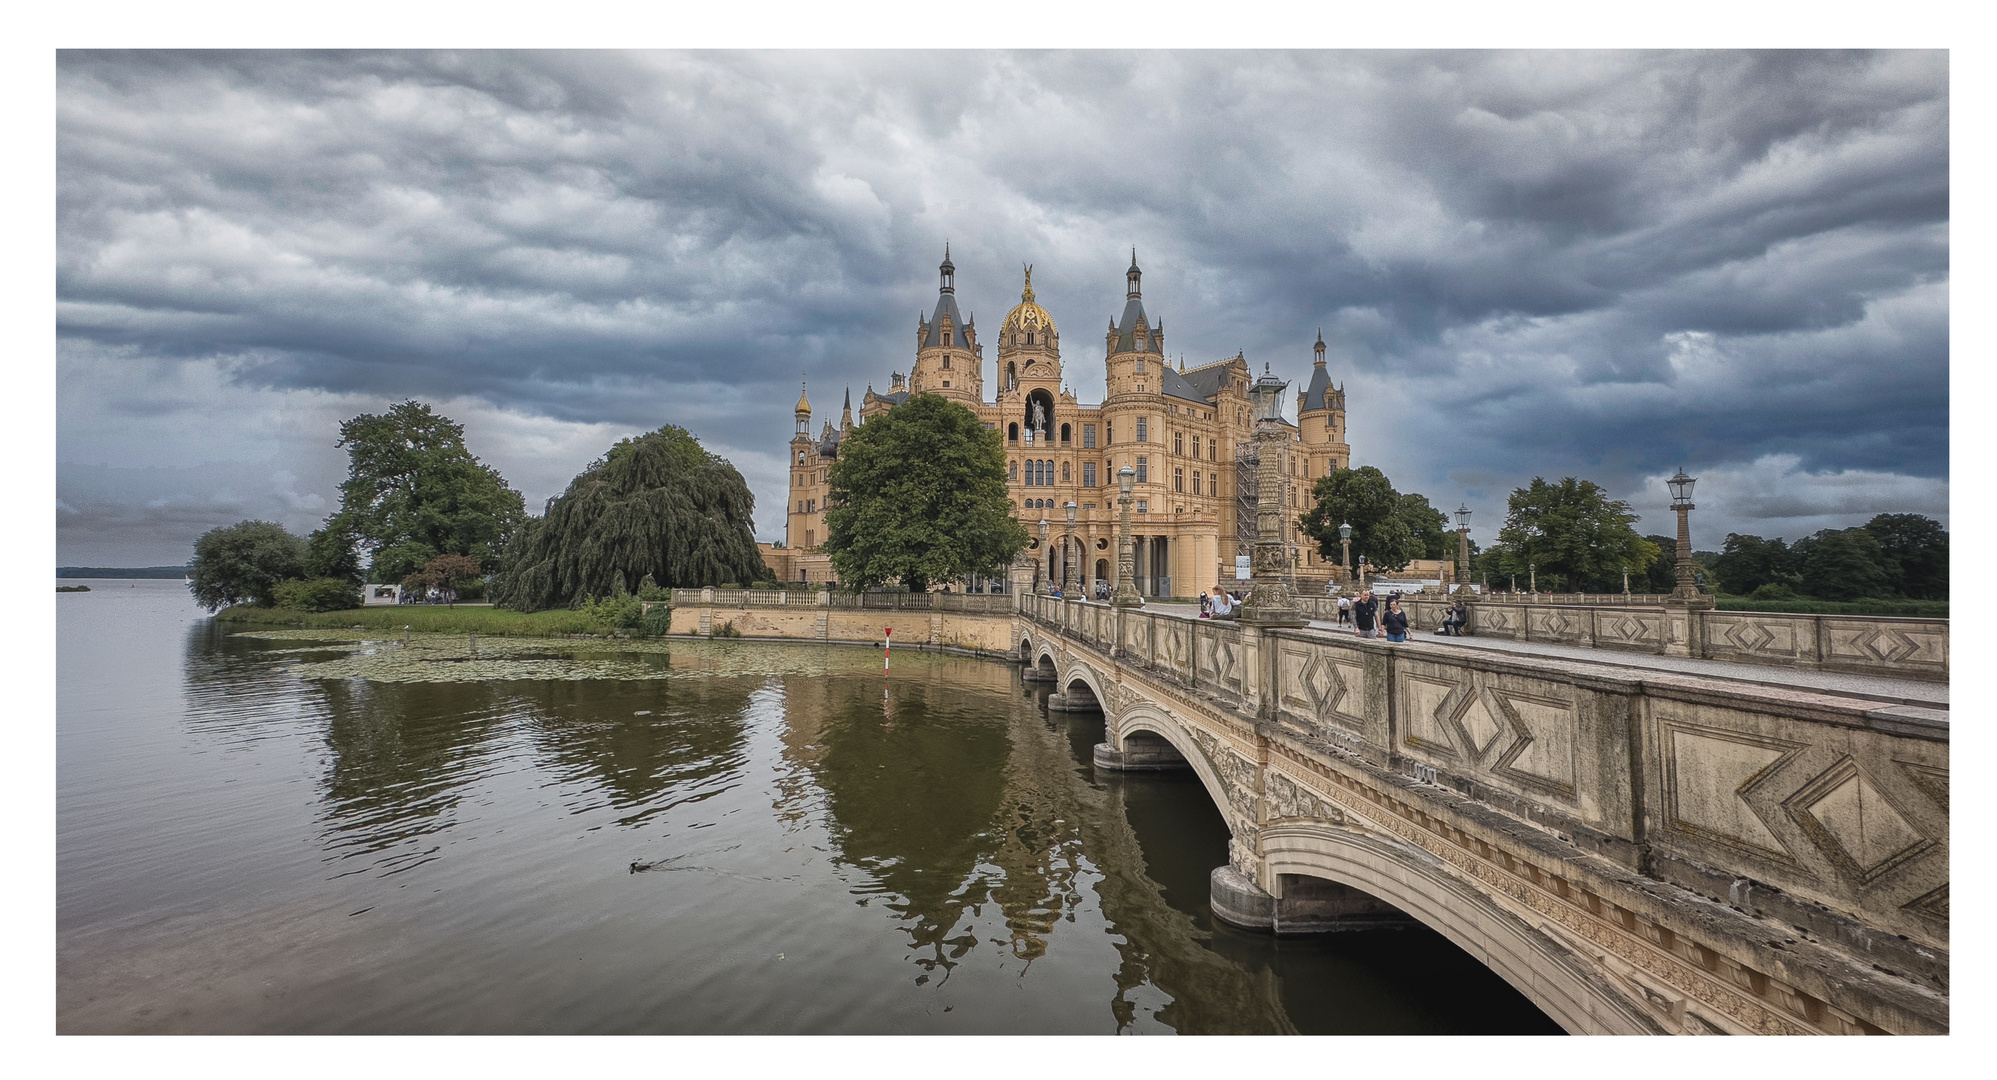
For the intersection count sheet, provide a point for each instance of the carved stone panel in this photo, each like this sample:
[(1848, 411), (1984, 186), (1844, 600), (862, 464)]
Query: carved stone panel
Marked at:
[(1423, 723), (1877, 643), (1759, 636), (1543, 754), (1630, 629), (1708, 775)]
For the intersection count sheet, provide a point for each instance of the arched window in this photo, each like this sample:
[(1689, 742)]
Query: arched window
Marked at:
[(1011, 435), (1064, 433)]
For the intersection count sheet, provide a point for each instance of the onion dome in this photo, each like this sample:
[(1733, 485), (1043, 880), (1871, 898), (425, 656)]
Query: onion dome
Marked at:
[(1028, 317)]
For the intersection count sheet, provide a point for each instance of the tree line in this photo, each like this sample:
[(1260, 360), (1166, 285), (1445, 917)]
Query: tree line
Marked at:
[(419, 510)]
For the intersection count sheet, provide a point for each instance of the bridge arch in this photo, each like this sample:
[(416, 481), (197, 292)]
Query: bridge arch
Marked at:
[(1548, 972), (1145, 718), (1079, 671)]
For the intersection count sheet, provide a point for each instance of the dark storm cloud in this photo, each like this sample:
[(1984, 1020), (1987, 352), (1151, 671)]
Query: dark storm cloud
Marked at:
[(1525, 263)]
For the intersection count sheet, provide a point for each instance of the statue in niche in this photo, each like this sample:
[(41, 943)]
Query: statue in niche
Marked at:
[(1036, 418)]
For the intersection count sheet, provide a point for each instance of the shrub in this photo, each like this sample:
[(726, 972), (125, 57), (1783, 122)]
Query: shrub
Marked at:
[(658, 620), (317, 594), (1773, 591)]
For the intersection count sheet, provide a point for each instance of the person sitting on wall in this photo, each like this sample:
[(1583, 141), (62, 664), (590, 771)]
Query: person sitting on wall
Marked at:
[(1222, 605), (1454, 618)]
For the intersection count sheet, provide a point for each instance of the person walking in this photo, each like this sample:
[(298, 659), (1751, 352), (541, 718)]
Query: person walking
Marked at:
[(1345, 611), (1365, 615), (1395, 621)]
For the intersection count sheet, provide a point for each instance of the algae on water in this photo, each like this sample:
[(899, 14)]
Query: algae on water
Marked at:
[(434, 658)]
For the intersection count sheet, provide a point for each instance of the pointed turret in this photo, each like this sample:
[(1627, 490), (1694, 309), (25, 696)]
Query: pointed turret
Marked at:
[(803, 410), (846, 414)]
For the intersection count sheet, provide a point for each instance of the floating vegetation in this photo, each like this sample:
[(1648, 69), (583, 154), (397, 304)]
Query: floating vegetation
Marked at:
[(72, 588), (436, 658)]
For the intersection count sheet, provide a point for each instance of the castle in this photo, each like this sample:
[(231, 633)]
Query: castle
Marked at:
[(1186, 434)]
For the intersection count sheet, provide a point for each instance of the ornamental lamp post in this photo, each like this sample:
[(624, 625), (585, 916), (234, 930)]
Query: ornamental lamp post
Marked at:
[(1462, 548), (1046, 580), (1532, 581), (1345, 545), (1126, 561), (1625, 583), (1069, 581), (1362, 573), (1270, 602), (1681, 501)]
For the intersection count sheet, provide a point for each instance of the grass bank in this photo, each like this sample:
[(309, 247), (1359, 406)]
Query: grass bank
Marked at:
[(1917, 609), (423, 618)]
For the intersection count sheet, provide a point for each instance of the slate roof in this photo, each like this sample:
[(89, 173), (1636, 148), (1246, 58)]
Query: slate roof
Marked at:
[(946, 304), (1315, 393), (1173, 384), (1205, 382)]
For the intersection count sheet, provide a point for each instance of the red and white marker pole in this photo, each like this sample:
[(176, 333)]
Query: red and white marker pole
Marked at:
[(887, 649)]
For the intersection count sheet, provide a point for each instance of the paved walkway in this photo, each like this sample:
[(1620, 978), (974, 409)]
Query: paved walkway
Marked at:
[(1917, 692)]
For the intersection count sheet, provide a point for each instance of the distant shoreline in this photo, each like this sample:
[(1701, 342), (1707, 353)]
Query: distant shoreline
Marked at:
[(173, 572)]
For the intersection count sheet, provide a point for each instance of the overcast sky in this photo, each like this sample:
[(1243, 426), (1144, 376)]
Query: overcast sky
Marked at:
[(1593, 264)]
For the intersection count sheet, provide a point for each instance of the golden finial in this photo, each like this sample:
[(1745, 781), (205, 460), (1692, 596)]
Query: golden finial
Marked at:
[(1027, 293)]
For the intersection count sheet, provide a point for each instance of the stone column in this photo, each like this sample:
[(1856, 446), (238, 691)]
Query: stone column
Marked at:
[(1126, 595), (1271, 602)]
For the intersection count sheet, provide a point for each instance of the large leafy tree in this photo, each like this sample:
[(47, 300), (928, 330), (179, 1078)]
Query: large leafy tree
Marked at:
[(414, 492), (1842, 564), (244, 561), (659, 504), (1747, 563), (1915, 550), (918, 495), (1577, 537), (1429, 526), (1389, 529)]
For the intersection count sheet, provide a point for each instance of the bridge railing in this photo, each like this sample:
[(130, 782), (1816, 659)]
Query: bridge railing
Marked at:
[(1825, 804)]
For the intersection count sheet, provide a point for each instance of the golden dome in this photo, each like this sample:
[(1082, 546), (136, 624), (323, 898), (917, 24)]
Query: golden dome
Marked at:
[(803, 405), (1028, 316)]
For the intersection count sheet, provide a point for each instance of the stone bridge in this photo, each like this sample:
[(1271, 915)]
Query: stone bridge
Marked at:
[(1635, 851)]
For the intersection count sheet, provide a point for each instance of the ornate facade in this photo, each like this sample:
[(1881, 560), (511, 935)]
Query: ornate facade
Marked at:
[(1185, 432)]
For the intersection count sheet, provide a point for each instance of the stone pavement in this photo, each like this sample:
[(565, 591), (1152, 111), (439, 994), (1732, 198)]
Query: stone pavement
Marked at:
[(1927, 695)]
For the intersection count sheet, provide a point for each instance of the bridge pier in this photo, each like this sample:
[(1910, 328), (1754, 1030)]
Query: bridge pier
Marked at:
[(1308, 905), (1076, 699), (1142, 752)]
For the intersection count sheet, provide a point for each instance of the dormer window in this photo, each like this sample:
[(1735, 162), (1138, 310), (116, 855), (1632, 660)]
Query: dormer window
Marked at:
[(949, 337)]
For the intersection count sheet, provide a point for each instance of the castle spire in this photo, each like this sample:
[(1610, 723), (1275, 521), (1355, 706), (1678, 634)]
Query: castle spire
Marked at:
[(1319, 348), (1132, 275)]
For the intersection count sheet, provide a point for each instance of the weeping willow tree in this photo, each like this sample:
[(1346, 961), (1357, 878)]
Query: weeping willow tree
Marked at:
[(658, 504)]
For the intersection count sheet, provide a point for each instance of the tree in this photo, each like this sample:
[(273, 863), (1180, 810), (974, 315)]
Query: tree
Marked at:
[(1842, 564), (1388, 528), (333, 552), (918, 495), (1429, 526), (244, 561), (454, 572), (1661, 576), (657, 505), (1575, 535), (414, 492), (1747, 563), (1915, 550)]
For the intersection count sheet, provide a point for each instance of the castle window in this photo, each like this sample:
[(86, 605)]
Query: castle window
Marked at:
[(1012, 472), (1066, 473), (1029, 337), (946, 384), (1088, 436), (810, 537), (1213, 450), (1140, 365), (1196, 481), (1143, 429), (1196, 446), (1143, 471), (1012, 433), (1143, 506), (949, 337), (1179, 480), (1109, 433), (1213, 484), (1088, 474), (1178, 443), (1064, 433)]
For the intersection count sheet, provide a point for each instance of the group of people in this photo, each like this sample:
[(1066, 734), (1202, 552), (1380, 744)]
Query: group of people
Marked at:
[(1363, 614)]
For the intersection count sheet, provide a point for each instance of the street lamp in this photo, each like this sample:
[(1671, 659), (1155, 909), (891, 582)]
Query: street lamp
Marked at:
[(1532, 580), (1362, 573), (1069, 581), (1345, 545), (1047, 579), (1271, 602), (1462, 548), (1681, 501), (1126, 561)]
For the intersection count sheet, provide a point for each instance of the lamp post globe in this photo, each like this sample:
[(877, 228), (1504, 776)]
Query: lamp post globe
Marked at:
[(1126, 595)]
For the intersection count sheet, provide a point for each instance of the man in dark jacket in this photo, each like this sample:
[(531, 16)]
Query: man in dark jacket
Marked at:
[(1365, 614)]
